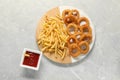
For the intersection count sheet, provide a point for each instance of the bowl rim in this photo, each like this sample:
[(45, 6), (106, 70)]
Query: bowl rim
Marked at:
[(30, 67)]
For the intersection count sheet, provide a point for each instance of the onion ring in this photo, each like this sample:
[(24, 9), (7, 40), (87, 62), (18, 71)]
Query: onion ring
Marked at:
[(70, 19), (75, 13), (72, 28), (66, 13), (78, 36), (74, 50), (84, 47), (71, 39), (83, 19), (86, 29), (87, 38)]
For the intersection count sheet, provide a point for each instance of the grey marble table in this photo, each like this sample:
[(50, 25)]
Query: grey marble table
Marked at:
[(18, 21)]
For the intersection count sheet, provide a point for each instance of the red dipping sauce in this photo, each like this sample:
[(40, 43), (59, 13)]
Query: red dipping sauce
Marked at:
[(32, 59)]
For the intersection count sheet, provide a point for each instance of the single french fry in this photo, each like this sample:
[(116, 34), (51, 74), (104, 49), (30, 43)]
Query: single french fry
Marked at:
[(27, 55)]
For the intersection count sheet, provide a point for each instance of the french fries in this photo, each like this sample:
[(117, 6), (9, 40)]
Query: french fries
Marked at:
[(53, 37)]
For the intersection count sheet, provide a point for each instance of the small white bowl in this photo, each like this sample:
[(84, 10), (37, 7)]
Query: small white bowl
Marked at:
[(34, 52)]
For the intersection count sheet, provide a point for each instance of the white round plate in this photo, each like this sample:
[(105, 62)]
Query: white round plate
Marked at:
[(82, 14)]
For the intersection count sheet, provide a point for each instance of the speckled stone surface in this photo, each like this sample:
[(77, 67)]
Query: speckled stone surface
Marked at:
[(18, 21)]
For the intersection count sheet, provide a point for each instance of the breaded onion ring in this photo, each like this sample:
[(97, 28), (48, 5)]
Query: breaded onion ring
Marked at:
[(74, 50), (78, 36), (66, 13), (72, 28), (75, 13), (83, 19), (70, 19), (86, 29), (84, 47), (71, 39), (86, 37)]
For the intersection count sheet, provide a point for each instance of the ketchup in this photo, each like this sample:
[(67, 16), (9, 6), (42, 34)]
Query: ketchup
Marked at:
[(32, 59)]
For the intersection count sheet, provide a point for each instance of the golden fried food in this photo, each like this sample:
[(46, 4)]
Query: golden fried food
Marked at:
[(72, 28), (78, 36), (53, 37), (70, 19), (87, 38), (84, 47), (86, 29), (74, 50), (71, 39), (66, 13), (85, 20), (75, 13)]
